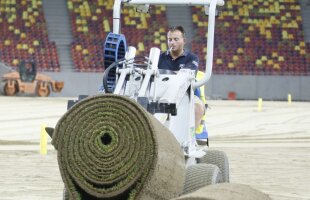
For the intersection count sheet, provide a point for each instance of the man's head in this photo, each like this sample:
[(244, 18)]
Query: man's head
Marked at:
[(176, 39)]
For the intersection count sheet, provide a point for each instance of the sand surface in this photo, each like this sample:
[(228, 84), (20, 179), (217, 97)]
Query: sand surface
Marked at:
[(268, 150)]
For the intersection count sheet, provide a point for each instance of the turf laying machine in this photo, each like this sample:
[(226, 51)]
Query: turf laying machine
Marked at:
[(136, 140)]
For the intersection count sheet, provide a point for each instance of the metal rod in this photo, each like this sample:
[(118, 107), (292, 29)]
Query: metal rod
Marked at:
[(117, 16), (210, 45), (175, 2)]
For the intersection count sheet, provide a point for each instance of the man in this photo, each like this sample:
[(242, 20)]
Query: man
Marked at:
[(177, 58)]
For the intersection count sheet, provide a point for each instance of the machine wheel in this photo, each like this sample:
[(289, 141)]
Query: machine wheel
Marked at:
[(200, 175), (218, 158), (43, 89), (10, 91), (114, 49), (65, 195)]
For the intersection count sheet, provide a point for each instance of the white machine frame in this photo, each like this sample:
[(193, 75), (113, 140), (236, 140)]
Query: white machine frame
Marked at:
[(170, 91)]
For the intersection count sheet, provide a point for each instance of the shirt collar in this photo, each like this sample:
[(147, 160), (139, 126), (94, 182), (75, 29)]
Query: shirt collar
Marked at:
[(185, 53)]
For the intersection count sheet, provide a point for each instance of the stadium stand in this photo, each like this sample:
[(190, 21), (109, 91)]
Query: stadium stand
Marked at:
[(255, 37), (92, 21), (264, 41), (23, 35)]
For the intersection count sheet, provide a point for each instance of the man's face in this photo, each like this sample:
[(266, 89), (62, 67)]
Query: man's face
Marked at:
[(176, 40)]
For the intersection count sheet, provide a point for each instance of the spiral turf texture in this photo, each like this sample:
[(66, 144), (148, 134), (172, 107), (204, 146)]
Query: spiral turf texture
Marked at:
[(109, 147)]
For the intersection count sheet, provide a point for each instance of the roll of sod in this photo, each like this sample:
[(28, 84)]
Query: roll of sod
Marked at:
[(109, 147)]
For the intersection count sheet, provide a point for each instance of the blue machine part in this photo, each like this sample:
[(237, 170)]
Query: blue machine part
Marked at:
[(197, 92), (204, 134), (114, 49)]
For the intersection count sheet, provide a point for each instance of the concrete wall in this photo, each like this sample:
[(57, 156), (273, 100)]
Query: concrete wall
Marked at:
[(266, 87), (218, 87), (77, 83), (245, 87)]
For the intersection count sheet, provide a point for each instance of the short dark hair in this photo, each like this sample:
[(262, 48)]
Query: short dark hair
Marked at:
[(177, 28)]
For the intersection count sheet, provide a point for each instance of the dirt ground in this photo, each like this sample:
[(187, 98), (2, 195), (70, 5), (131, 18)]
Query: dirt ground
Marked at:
[(268, 150)]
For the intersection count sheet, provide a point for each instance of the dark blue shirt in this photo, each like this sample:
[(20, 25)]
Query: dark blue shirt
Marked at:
[(187, 60)]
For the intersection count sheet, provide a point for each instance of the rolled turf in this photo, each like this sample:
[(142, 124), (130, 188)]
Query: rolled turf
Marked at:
[(109, 147)]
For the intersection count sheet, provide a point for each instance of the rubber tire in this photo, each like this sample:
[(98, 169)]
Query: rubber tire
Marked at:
[(200, 175), (220, 159), (43, 93), (13, 93), (65, 195)]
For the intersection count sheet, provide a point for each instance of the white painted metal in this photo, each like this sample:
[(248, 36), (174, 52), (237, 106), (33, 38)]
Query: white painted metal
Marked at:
[(175, 2), (146, 83), (121, 80), (116, 16), (177, 87), (210, 46), (130, 53), (154, 57)]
